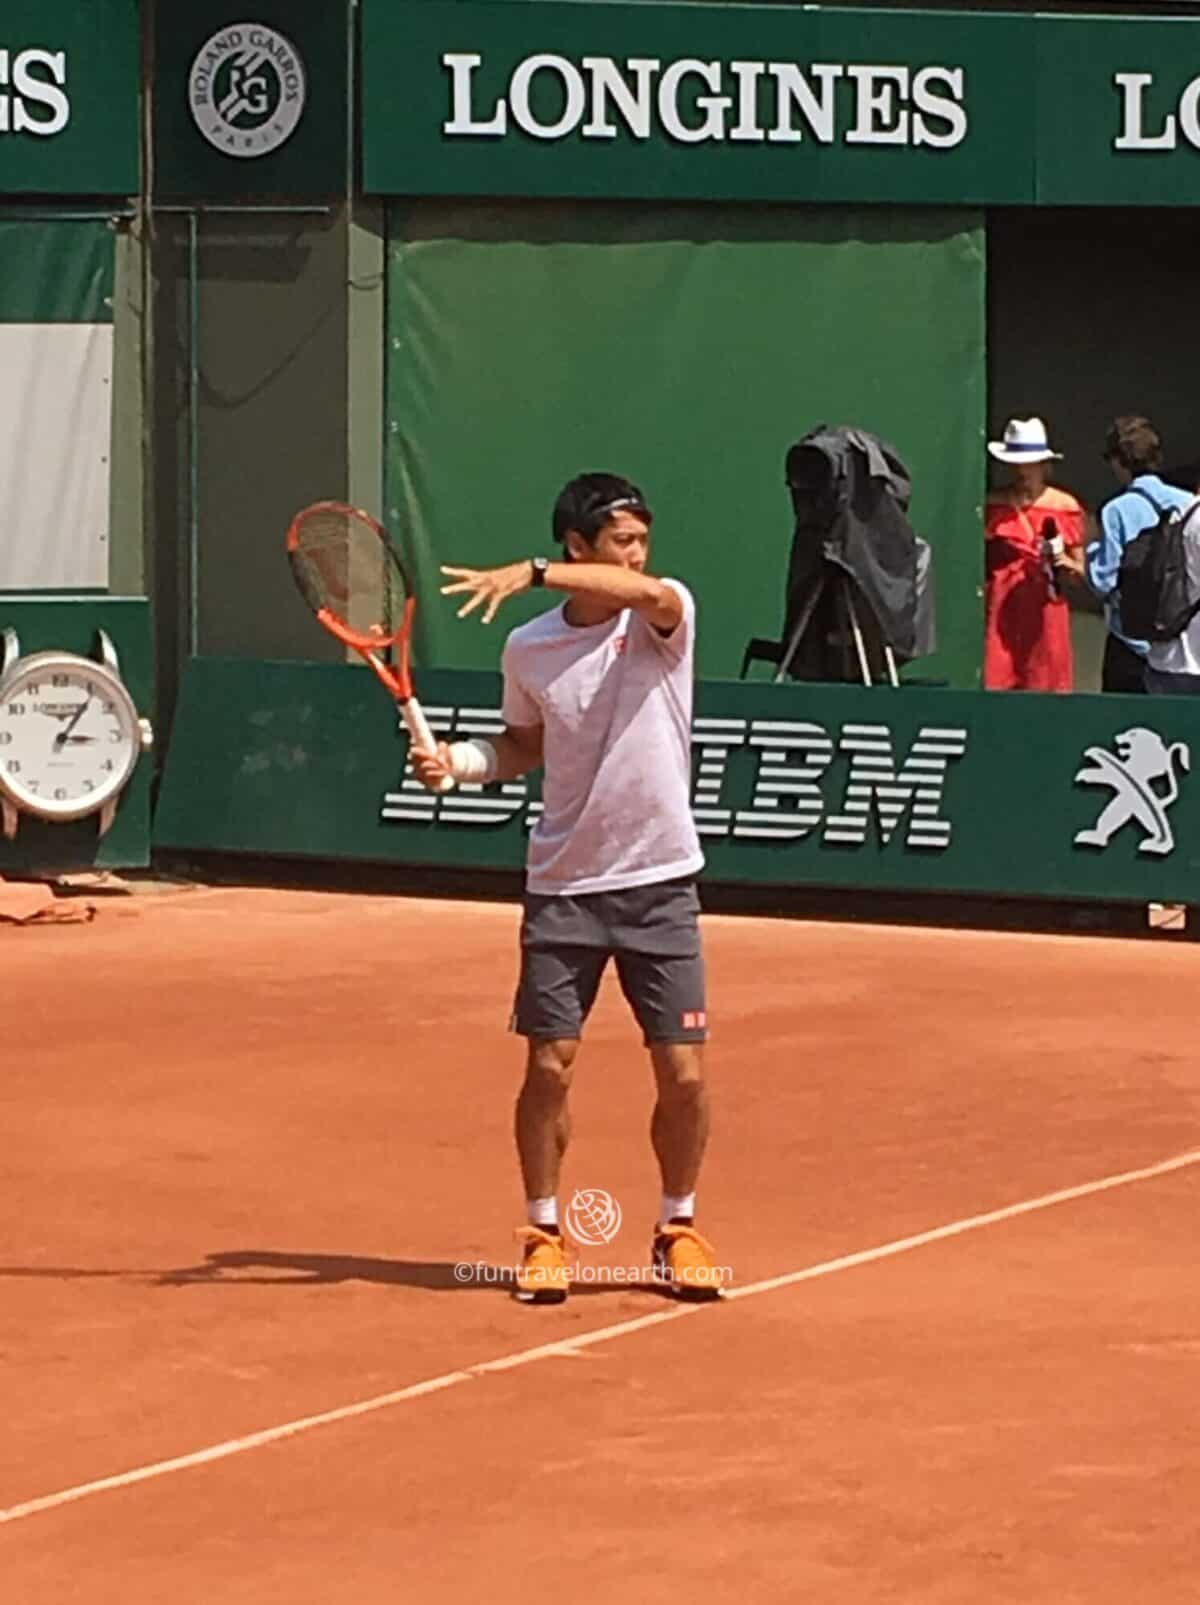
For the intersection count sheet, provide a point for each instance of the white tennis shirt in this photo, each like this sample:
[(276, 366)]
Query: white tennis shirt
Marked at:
[(615, 704)]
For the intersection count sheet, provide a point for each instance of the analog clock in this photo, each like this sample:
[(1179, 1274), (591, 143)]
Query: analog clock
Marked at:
[(70, 735)]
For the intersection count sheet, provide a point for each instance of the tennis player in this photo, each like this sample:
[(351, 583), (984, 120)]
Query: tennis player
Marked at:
[(598, 693)]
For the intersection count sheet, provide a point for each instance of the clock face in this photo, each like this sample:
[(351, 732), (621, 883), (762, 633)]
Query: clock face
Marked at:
[(69, 736)]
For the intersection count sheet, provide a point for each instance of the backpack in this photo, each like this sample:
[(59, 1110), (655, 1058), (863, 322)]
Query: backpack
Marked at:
[(1156, 600)]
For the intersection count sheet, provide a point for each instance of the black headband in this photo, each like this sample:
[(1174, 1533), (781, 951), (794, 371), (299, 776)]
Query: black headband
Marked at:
[(599, 516)]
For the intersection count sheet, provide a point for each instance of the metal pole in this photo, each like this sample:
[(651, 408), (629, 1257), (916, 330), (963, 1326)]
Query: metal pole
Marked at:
[(241, 211), (193, 434), (9, 214), (863, 665)]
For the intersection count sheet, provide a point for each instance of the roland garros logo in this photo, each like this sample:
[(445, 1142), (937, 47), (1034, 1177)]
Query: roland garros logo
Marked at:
[(247, 89)]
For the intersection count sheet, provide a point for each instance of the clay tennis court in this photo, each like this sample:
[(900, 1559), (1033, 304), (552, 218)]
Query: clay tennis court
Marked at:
[(250, 1133)]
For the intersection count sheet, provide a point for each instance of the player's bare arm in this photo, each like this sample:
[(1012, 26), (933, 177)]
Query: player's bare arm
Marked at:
[(516, 753), (604, 582), (606, 573)]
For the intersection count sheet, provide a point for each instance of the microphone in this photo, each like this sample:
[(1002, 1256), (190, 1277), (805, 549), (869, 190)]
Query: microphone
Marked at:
[(1052, 547)]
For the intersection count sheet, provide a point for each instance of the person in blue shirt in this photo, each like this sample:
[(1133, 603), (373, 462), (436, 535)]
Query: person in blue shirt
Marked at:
[(1133, 450)]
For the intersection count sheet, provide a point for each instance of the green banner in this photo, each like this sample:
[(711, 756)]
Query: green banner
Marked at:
[(69, 97), (687, 347), (918, 790), (1118, 106), (257, 107), (725, 102), (698, 102), (56, 271)]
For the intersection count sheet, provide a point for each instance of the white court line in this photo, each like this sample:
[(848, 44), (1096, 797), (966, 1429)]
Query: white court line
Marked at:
[(570, 1347)]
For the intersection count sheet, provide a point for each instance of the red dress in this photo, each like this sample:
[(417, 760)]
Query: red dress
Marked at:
[(1027, 628)]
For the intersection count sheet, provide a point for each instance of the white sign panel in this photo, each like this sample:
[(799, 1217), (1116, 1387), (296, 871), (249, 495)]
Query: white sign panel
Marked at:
[(55, 433)]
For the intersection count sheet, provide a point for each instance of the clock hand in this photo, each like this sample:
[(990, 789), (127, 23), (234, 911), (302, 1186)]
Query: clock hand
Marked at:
[(65, 735)]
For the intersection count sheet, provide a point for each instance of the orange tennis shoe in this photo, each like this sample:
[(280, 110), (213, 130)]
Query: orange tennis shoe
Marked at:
[(544, 1276), (685, 1263)]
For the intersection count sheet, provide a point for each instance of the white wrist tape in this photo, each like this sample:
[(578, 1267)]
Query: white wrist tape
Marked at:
[(474, 762)]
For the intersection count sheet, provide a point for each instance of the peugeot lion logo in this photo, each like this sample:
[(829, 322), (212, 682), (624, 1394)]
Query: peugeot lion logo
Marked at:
[(1143, 758)]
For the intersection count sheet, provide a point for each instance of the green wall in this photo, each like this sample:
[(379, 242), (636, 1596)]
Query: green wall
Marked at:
[(914, 790), (687, 347), (249, 424)]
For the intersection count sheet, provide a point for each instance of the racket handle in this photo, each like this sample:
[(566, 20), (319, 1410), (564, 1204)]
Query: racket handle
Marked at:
[(421, 735)]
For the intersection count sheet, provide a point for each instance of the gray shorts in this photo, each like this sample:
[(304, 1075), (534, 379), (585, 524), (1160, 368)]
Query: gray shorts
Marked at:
[(652, 933)]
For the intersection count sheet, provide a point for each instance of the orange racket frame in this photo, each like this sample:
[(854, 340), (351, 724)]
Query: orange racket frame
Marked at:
[(370, 644)]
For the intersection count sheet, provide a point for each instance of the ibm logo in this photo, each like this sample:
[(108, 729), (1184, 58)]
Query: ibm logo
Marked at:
[(788, 802), (791, 787)]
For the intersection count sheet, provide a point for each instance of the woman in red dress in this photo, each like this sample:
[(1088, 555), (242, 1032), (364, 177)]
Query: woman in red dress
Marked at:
[(1035, 539)]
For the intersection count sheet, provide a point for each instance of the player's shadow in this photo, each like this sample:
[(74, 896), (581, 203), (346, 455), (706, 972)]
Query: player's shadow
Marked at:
[(274, 1268)]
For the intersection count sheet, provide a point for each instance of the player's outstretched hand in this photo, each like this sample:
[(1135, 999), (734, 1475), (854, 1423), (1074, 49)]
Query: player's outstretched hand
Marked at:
[(431, 768), (487, 587)]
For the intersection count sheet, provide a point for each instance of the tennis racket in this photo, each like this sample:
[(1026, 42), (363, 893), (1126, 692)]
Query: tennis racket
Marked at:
[(349, 572)]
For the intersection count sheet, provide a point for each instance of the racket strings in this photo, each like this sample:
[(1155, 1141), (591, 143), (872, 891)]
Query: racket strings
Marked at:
[(342, 565)]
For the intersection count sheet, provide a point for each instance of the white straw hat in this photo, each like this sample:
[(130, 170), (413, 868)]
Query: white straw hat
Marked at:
[(1024, 442)]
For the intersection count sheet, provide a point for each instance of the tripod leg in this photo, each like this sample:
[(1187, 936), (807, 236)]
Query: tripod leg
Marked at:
[(893, 675), (802, 623), (859, 644)]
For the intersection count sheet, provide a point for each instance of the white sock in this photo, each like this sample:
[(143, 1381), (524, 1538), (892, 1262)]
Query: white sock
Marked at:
[(542, 1212), (671, 1207)]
